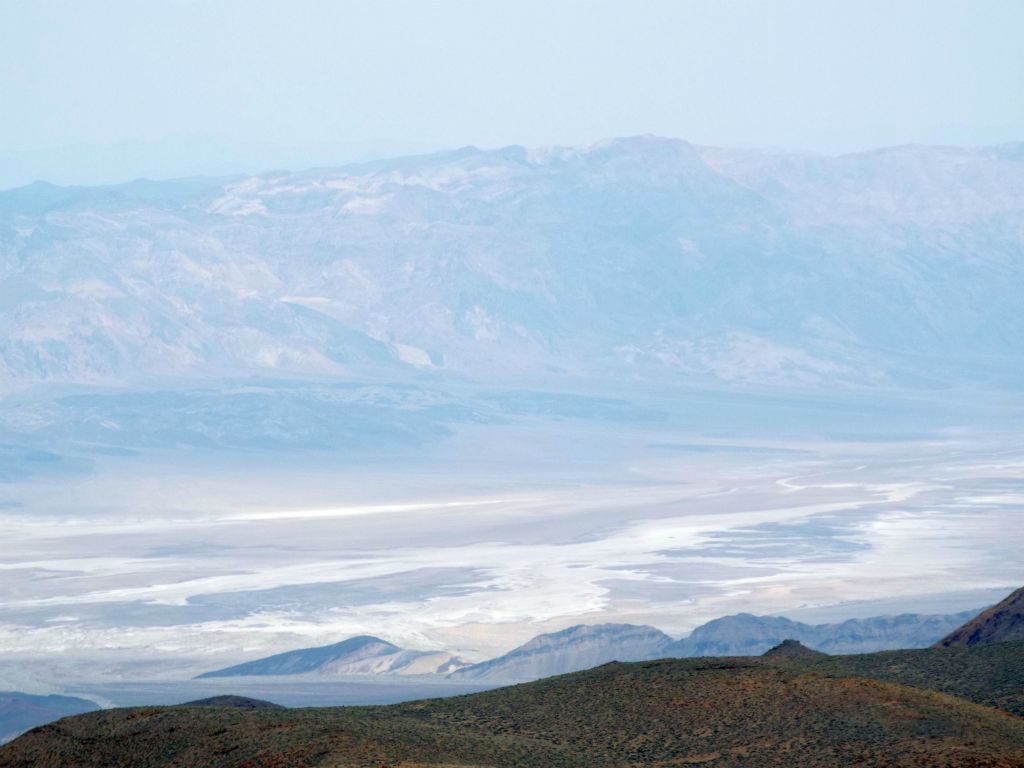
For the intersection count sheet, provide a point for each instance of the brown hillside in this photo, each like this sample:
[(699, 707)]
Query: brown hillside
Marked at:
[(721, 713), (1001, 623)]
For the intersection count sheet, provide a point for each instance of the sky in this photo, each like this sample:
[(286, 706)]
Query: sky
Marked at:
[(101, 92)]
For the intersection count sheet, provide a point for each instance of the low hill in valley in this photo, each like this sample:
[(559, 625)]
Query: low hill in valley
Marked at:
[(791, 649)]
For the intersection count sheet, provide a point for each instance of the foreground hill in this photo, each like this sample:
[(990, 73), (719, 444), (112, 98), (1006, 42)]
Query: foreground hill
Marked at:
[(985, 674), (1003, 622), (738, 712)]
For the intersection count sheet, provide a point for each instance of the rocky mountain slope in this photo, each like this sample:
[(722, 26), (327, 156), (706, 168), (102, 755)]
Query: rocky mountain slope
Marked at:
[(672, 712), (580, 647), (362, 655), (1003, 622)]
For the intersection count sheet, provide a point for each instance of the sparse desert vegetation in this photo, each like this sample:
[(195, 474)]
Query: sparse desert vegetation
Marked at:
[(810, 711)]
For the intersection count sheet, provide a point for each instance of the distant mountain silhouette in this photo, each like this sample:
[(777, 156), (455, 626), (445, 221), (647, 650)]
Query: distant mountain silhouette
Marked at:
[(1002, 623), (585, 646)]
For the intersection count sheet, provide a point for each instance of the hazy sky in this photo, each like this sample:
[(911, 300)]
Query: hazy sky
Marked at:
[(201, 86)]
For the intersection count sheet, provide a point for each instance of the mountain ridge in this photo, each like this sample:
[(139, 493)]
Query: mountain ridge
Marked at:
[(587, 645), (1003, 622)]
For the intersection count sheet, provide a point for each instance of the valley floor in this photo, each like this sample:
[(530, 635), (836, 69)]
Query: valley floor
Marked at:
[(98, 590)]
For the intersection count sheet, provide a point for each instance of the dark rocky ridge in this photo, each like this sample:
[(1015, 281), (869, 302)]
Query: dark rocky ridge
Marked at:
[(1003, 622)]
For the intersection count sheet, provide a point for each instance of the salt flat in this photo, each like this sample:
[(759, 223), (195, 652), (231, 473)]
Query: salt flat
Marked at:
[(273, 555)]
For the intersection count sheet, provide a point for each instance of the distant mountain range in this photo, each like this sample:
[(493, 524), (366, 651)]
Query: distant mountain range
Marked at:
[(898, 267), (345, 309), (747, 635), (585, 646)]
